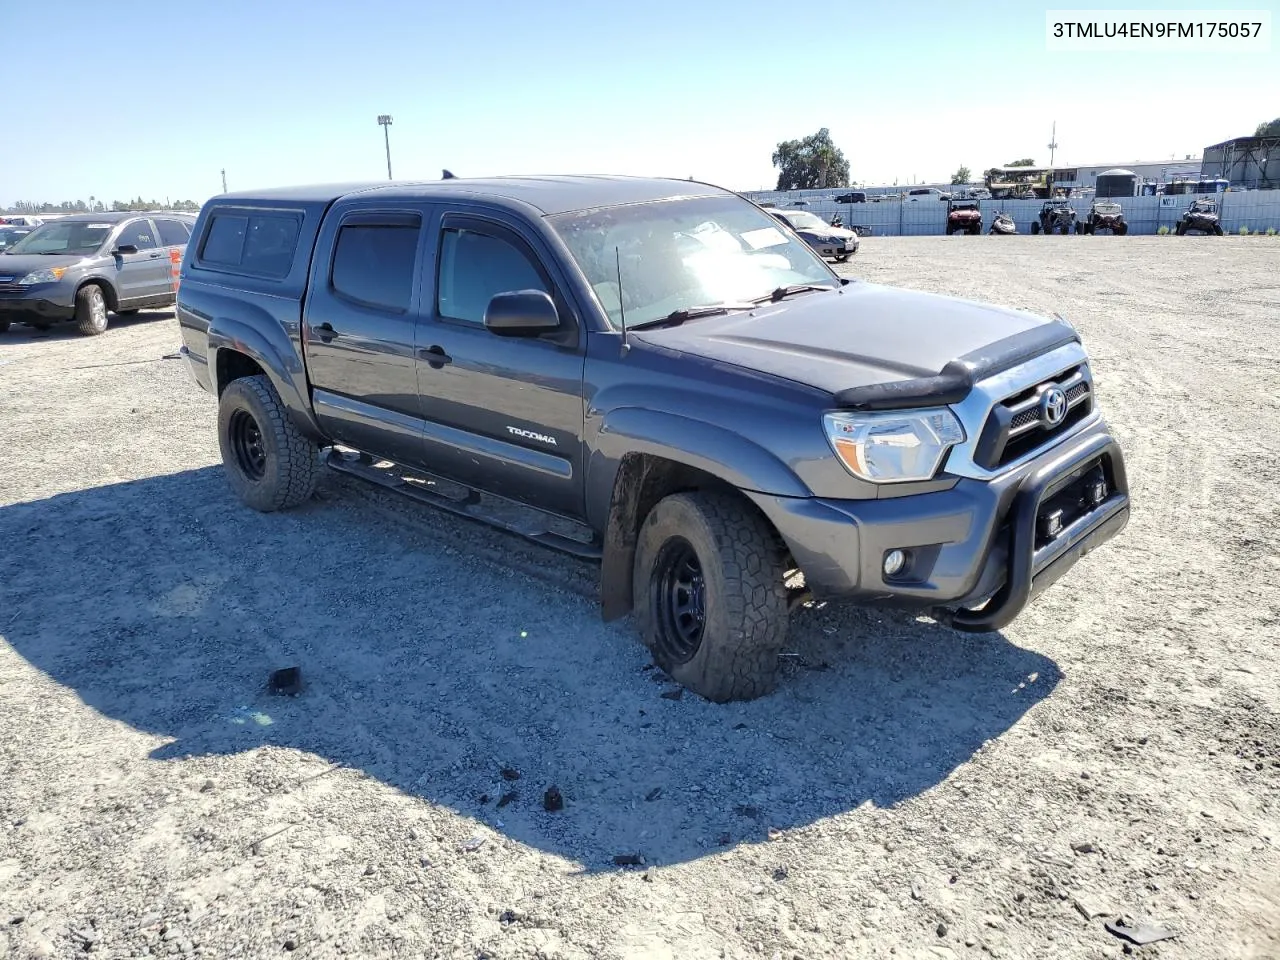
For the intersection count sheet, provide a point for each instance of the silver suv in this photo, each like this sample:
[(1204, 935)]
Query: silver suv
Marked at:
[(80, 267)]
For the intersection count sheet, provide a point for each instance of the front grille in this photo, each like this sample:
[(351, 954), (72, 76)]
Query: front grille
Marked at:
[(1018, 426)]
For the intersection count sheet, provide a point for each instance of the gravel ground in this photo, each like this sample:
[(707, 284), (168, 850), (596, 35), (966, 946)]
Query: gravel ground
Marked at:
[(908, 790)]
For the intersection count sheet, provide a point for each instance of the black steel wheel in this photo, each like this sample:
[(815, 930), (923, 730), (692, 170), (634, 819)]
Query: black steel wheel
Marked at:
[(710, 596), (677, 590), (270, 464), (247, 445)]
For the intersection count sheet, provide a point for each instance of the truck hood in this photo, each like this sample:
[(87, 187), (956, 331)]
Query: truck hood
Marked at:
[(864, 334), (18, 265)]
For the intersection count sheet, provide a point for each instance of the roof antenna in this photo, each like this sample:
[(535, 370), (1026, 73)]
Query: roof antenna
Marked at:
[(622, 311), (448, 175)]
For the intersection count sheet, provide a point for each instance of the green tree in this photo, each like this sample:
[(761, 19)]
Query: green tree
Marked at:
[(1268, 129), (812, 163), (961, 175), (1027, 162)]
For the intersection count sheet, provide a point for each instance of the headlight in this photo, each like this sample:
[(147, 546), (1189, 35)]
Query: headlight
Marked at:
[(52, 275), (893, 447)]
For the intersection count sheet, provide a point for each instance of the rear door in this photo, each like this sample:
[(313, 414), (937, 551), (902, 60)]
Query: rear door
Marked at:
[(174, 235), (142, 278), (359, 327), (503, 414)]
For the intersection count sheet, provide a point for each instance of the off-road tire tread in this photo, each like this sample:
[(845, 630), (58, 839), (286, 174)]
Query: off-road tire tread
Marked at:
[(741, 664), (297, 467), (84, 313)]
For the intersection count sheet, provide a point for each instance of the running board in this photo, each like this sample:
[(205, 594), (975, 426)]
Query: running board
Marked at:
[(466, 505)]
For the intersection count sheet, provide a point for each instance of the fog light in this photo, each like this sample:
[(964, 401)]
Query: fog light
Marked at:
[(1051, 525), (895, 561), (1097, 492)]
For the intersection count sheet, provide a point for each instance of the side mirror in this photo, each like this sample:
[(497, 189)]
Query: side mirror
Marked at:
[(522, 313), (123, 249)]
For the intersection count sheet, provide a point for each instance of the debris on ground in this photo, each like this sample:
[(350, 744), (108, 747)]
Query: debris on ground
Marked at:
[(675, 694), (552, 800), (286, 682), (653, 794), (1138, 933), (510, 773), (509, 797), (628, 860)]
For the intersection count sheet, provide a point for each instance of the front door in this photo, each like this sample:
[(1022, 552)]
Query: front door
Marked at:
[(142, 278), (504, 414), (359, 328)]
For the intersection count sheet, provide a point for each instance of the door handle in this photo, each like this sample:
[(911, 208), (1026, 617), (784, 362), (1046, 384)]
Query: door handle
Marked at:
[(155, 256), (435, 356), (326, 332)]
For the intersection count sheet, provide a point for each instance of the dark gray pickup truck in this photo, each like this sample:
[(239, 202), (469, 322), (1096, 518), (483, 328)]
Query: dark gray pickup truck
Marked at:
[(672, 382)]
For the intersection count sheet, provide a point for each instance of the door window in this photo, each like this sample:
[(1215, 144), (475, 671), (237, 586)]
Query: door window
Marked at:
[(373, 264), (139, 234), (475, 267)]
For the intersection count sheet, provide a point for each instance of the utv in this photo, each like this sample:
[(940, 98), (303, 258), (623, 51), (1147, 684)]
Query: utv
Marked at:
[(963, 216), (1055, 215), (1103, 215), (1202, 215)]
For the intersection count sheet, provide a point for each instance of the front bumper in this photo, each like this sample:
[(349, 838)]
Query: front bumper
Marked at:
[(976, 543), (846, 249), (22, 308)]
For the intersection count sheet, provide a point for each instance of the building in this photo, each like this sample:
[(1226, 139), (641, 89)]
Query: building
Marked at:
[(1248, 162), (1085, 176)]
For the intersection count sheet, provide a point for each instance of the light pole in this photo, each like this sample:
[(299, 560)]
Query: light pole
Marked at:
[(1053, 143), (384, 119)]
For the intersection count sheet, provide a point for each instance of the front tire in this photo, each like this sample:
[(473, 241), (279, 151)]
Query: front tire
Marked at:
[(710, 600), (1035, 226), (91, 310), (269, 463), (1217, 229)]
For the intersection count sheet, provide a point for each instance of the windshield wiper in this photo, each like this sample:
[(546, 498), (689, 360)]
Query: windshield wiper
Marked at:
[(677, 317), (782, 292)]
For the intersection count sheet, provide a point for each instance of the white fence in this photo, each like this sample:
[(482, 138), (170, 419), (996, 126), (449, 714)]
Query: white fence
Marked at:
[(1255, 209)]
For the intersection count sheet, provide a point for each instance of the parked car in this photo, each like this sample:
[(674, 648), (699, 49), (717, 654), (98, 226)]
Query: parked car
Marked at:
[(839, 243), (856, 196), (1201, 215), (963, 216), (20, 220), (78, 268), (927, 193), (1055, 215), (664, 380), (1104, 215), (9, 235)]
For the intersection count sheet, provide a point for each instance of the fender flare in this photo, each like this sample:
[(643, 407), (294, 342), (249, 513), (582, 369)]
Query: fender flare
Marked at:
[(615, 490), (279, 361)]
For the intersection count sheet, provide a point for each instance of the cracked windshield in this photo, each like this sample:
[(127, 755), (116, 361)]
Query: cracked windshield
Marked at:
[(676, 254)]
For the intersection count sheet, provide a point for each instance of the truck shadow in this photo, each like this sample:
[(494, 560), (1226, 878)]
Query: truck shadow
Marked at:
[(164, 604)]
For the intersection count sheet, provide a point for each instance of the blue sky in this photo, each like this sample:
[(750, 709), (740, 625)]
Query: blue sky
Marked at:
[(156, 98)]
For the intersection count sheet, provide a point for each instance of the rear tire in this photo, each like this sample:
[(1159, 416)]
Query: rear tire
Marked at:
[(91, 310), (710, 600), (1120, 229), (269, 463), (1180, 229), (1035, 226)]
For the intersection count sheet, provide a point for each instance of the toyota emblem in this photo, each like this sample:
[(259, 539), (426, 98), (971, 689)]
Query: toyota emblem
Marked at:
[(1053, 406)]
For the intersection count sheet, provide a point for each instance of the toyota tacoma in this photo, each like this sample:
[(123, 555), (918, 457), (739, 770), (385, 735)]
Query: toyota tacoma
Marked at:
[(663, 378)]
